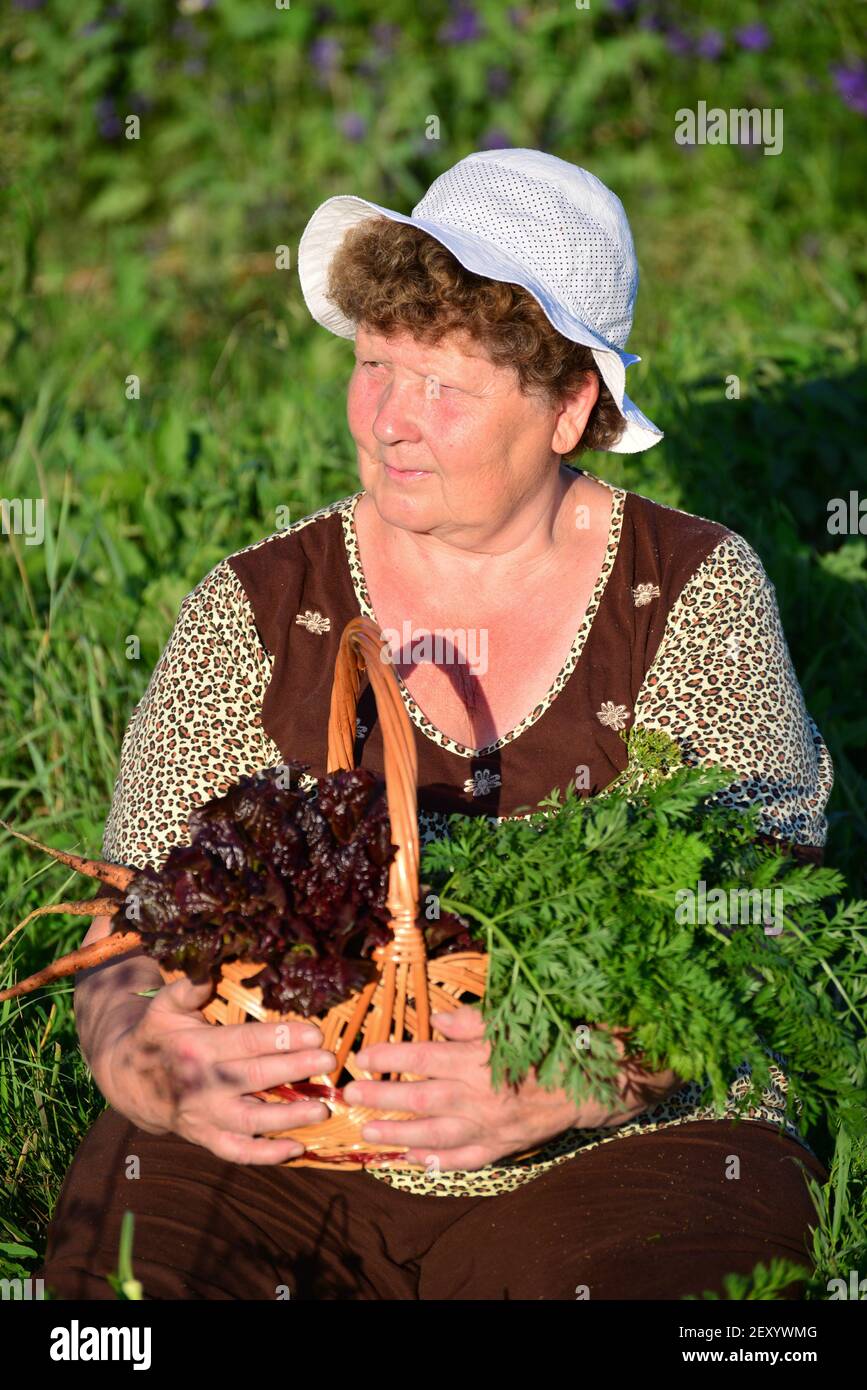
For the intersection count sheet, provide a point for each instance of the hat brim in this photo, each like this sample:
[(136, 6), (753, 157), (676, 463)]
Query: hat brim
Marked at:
[(325, 231)]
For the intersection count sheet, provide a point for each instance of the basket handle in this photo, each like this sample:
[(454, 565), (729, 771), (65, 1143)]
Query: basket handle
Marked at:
[(362, 647)]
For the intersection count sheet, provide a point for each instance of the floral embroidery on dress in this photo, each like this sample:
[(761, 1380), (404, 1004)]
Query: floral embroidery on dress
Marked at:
[(615, 716), (643, 593), (314, 622), (482, 782)]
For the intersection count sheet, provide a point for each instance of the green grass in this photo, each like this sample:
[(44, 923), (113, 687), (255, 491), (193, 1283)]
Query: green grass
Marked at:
[(155, 258)]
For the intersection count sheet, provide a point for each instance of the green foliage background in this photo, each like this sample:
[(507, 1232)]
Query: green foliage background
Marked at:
[(156, 257)]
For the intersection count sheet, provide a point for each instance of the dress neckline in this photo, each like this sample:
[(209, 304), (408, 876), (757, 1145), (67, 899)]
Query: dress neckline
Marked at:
[(416, 714)]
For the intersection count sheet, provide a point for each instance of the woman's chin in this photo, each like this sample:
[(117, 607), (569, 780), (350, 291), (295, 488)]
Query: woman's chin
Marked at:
[(404, 501)]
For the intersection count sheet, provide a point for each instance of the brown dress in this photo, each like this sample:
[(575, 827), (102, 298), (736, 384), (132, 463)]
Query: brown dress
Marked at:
[(681, 632)]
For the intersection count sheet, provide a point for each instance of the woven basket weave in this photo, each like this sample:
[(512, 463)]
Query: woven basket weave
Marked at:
[(396, 1007)]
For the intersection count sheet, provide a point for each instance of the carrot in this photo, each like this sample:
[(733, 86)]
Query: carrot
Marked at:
[(86, 956), (93, 907), (117, 875)]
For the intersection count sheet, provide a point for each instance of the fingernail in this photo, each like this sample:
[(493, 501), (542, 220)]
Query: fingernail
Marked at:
[(363, 1060), (352, 1093), (371, 1132), (309, 1037)]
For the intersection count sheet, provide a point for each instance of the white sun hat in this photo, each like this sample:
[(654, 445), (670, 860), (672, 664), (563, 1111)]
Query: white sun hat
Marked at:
[(528, 218)]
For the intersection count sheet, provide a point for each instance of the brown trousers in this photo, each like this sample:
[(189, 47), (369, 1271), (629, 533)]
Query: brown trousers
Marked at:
[(650, 1216)]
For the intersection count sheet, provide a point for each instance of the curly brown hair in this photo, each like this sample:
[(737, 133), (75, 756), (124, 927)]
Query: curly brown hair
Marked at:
[(392, 277)]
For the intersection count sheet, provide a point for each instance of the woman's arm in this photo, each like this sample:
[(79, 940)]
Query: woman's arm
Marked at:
[(196, 730), (723, 685), (108, 1001)]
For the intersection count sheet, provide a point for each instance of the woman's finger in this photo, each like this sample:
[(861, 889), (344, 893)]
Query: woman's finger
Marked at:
[(235, 1040), (464, 1023), (438, 1131), (257, 1074), (241, 1148), (416, 1097), (265, 1117), (440, 1059)]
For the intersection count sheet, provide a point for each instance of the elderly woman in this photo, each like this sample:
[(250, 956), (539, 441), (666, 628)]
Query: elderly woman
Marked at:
[(490, 330)]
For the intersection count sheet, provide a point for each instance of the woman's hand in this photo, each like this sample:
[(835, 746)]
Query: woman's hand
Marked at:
[(173, 1071), (462, 1121)]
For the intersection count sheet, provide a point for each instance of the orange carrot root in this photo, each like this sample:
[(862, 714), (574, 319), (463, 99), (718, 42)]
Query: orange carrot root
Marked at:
[(96, 953), (118, 875), (94, 907)]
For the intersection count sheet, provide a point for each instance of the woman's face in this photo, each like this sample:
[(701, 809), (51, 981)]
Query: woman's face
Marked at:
[(446, 440)]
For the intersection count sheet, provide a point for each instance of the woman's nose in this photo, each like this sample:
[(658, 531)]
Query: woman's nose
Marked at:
[(396, 413)]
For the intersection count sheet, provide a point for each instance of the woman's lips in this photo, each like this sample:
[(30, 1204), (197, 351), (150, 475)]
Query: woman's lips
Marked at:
[(406, 475)]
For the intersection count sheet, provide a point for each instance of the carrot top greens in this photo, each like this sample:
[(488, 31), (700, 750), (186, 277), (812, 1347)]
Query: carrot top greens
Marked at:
[(627, 909)]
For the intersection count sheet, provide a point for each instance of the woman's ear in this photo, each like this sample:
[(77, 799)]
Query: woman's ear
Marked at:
[(574, 413)]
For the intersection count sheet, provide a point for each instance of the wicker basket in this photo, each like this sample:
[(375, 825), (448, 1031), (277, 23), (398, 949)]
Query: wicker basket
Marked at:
[(396, 1007)]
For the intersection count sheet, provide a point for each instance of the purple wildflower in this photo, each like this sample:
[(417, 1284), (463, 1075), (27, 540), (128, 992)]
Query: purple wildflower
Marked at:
[(188, 32), (138, 102), (498, 81), (385, 37), (463, 27), (710, 44), (108, 121), (678, 42), (517, 16), (353, 126), (622, 6), (851, 83), (94, 25), (325, 55), (28, 4), (194, 67), (496, 139), (755, 37)]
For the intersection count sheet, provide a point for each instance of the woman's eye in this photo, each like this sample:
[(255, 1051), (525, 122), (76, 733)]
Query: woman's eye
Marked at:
[(439, 385)]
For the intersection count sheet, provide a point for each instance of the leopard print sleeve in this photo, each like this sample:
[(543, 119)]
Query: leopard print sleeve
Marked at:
[(196, 729), (722, 683)]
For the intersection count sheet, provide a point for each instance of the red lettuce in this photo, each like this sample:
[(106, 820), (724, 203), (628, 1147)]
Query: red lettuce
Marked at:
[(295, 879)]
